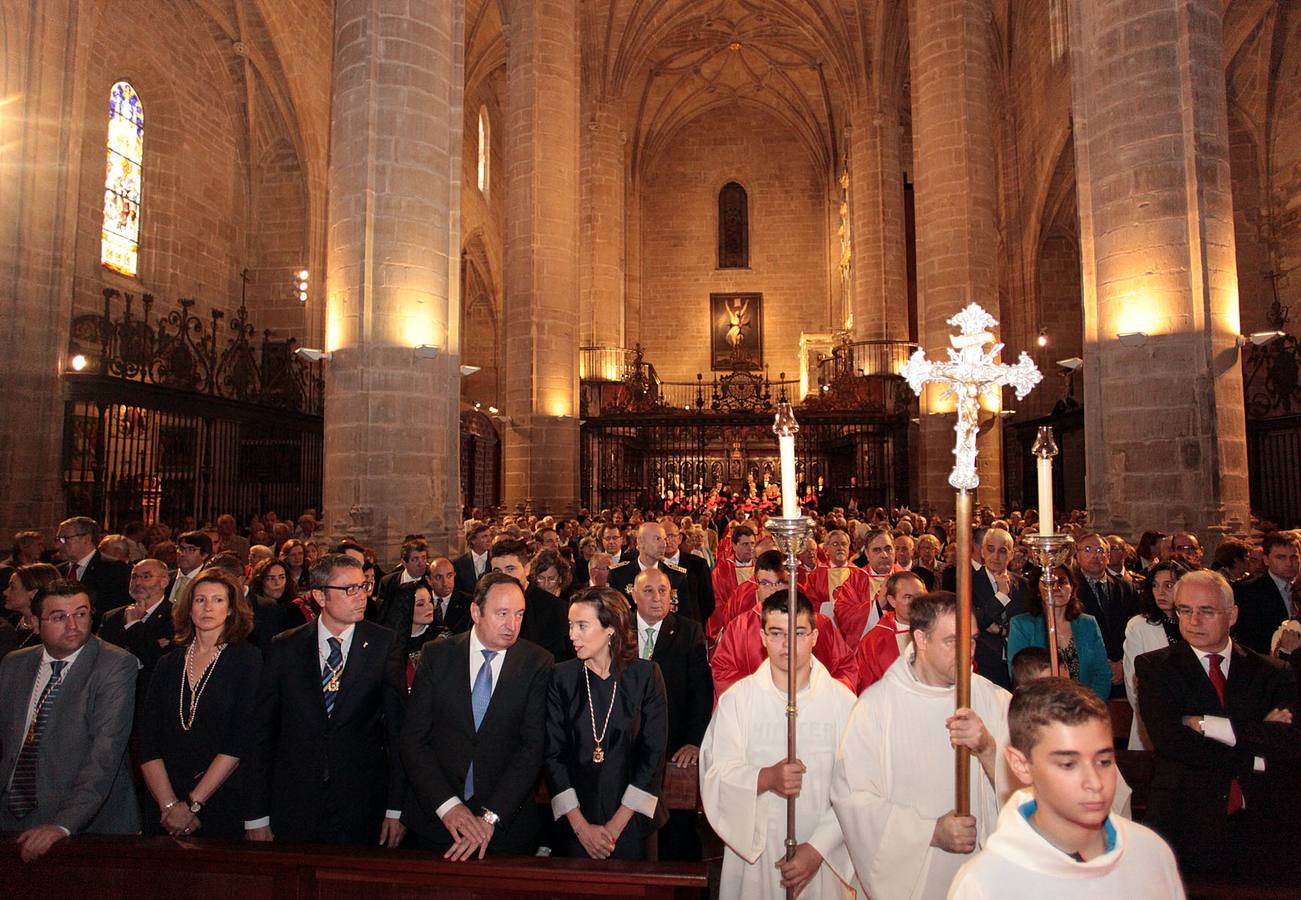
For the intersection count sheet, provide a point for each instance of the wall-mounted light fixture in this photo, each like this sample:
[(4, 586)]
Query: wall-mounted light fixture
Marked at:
[(312, 354), (468, 370), (428, 351), (1043, 337), (1071, 363), (78, 362), (1258, 338), (302, 285), (1132, 338)]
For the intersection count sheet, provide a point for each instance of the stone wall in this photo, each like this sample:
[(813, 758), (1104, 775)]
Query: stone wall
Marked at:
[(788, 210)]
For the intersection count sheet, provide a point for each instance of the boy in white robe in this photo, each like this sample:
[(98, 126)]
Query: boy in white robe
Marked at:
[(1061, 839), (745, 779), (893, 786)]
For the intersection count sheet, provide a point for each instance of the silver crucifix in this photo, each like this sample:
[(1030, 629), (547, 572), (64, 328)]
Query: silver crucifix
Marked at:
[(969, 371)]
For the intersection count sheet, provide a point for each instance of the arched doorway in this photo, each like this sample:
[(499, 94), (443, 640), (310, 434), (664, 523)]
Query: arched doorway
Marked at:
[(480, 461)]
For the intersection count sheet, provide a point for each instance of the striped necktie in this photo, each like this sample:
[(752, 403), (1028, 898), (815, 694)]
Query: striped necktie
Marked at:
[(22, 792), (330, 674)]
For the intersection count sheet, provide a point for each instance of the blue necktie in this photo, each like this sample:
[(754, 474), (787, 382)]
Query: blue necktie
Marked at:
[(479, 699), (333, 663), (22, 793)]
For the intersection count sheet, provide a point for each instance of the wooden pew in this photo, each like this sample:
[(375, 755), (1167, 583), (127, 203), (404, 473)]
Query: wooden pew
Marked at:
[(161, 867)]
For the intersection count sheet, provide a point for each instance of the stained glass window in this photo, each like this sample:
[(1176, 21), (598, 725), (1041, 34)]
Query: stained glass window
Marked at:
[(484, 149), (120, 243)]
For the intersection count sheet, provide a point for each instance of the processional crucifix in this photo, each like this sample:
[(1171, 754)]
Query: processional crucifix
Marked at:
[(970, 371)]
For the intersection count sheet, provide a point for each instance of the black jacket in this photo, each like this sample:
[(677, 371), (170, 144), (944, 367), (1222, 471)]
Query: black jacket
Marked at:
[(439, 742), (1261, 610), (680, 652), (622, 576)]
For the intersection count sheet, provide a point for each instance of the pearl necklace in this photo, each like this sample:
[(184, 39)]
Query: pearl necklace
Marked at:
[(598, 755), (197, 692)]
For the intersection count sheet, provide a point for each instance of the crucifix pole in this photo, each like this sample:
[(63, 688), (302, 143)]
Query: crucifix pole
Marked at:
[(969, 372)]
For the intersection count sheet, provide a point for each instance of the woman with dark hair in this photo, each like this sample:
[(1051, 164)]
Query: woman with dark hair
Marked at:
[(551, 572), (23, 585), (1153, 628), (607, 727), (194, 729), (1080, 650), (1147, 549), (293, 553), (272, 595)]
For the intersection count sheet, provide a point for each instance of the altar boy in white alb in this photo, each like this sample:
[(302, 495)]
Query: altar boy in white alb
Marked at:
[(893, 785), (1059, 838), (745, 779)]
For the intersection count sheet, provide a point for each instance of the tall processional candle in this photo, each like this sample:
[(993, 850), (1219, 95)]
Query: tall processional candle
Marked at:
[(1045, 448), (785, 427)]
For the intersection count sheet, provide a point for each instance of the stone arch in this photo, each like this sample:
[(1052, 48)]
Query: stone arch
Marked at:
[(1056, 276)]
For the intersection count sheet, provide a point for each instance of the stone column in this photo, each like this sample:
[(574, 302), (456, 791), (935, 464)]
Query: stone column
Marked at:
[(957, 243), (392, 436), (879, 300), (1163, 413), (541, 309), (601, 244)]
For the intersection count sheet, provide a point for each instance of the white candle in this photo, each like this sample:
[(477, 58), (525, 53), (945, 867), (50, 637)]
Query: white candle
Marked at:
[(790, 506), (1045, 465)]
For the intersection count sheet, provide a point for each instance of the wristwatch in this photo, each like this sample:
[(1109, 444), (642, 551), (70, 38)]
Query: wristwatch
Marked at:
[(195, 806), (490, 817)]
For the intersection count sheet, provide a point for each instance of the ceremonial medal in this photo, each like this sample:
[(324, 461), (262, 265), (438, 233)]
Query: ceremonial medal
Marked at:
[(333, 684), (598, 755)]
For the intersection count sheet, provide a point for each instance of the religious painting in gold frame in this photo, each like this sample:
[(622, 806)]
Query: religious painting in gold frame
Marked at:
[(736, 332)]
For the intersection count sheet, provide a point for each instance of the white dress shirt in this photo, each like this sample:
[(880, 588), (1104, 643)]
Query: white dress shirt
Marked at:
[(480, 561), (79, 567), (642, 626)]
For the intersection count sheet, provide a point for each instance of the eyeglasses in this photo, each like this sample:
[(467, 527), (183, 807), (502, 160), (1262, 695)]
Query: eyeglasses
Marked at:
[(1185, 548), (546, 579), (772, 584), (1200, 612), (82, 616), (349, 589), (779, 634), (1092, 551), (64, 538)]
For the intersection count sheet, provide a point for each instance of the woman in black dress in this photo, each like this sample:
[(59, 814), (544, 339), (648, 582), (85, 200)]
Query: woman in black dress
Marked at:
[(607, 727), (195, 727)]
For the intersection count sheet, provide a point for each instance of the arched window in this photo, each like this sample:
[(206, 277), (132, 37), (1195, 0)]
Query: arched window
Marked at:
[(485, 149), (120, 243), (733, 227)]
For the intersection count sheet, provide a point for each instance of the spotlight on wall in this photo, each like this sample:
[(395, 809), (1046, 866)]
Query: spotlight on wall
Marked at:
[(427, 351), (492, 410), (312, 354), (1132, 338), (302, 285), (1258, 338), (78, 362), (1043, 337), (505, 420), (1070, 364), (468, 370)]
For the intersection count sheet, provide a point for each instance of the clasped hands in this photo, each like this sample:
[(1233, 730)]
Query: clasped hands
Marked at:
[(177, 820), (599, 840), (469, 833)]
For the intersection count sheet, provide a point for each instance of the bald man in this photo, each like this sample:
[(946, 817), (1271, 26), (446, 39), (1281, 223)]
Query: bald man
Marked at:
[(651, 547), (144, 626)]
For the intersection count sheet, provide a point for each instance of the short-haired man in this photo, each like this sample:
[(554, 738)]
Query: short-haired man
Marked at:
[(745, 778), (700, 581), (1219, 716), (612, 543), (471, 565), (1186, 544), (229, 539), (822, 583), (193, 548), (144, 627), (598, 569), (894, 779), (65, 717), (324, 765), (740, 649), (1108, 599), (677, 645), (997, 594), (1269, 599), (1059, 838), (859, 608), (546, 617), (415, 561), (475, 731), (650, 554), (730, 573), (884, 642), (107, 580)]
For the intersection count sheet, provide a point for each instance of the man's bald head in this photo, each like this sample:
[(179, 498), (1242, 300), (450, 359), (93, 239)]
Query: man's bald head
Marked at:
[(650, 542)]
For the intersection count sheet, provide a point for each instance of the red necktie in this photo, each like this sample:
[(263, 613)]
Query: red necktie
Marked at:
[(1220, 684)]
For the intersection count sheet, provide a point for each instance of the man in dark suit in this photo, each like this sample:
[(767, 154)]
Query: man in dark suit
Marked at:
[(1110, 600), (65, 716), (700, 580), (324, 766), (1226, 748), (997, 595), (471, 565), (475, 731), (612, 543), (1266, 601), (546, 617), (650, 554), (106, 579), (677, 645), (193, 549), (415, 562), (144, 627)]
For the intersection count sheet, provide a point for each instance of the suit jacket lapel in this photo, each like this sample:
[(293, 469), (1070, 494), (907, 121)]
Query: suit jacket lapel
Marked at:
[(73, 686), (312, 666), (359, 658), (508, 667), (15, 727), (1241, 676), (1203, 692), (459, 686), (664, 639)]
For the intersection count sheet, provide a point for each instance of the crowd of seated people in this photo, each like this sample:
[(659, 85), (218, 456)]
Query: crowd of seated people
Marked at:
[(265, 682)]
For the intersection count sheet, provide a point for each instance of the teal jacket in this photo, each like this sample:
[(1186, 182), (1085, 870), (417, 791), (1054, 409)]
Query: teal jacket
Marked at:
[(1027, 630)]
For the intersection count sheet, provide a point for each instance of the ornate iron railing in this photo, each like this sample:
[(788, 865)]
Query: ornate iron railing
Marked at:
[(864, 358), (180, 350)]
